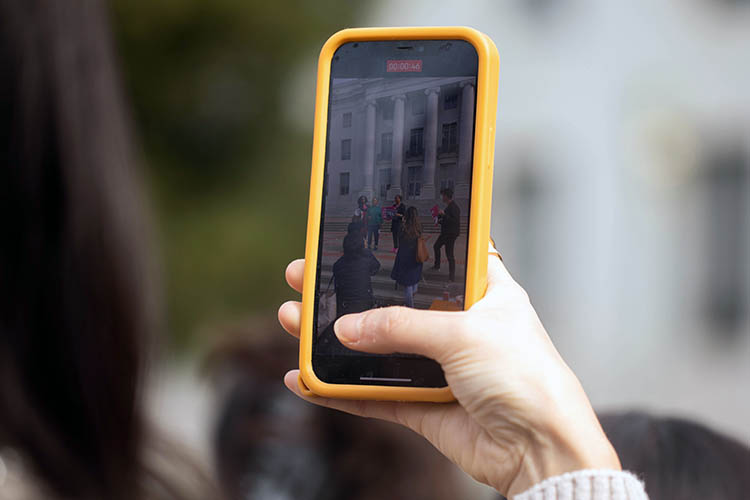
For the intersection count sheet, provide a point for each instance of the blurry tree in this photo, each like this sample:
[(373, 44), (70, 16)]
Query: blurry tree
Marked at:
[(228, 175)]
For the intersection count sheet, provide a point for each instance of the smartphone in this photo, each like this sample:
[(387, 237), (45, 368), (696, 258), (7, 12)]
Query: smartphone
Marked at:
[(400, 196)]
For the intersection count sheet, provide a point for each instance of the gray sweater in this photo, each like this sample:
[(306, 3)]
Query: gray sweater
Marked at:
[(587, 485)]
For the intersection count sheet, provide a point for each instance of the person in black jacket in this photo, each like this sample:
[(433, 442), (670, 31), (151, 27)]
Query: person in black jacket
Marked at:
[(398, 218), (351, 276), (450, 227)]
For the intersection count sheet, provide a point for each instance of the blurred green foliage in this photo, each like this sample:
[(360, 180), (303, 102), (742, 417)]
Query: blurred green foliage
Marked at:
[(228, 175)]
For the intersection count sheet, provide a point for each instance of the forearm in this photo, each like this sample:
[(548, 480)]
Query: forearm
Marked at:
[(566, 440)]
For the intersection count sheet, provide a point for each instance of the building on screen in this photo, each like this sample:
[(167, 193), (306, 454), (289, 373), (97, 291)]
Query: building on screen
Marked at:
[(405, 136)]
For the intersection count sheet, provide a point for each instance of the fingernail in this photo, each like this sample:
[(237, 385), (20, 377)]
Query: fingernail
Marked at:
[(347, 329)]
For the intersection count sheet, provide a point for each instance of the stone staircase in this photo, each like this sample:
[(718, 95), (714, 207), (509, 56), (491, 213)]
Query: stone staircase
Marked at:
[(433, 285), (339, 224)]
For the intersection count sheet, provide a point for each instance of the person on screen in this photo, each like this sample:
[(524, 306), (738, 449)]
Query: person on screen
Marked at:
[(398, 217), (360, 214), (407, 270), (351, 276), (374, 220), (355, 226), (450, 227)]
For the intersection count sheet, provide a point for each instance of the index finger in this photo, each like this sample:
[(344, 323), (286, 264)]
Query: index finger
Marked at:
[(294, 274), (497, 273), (502, 289)]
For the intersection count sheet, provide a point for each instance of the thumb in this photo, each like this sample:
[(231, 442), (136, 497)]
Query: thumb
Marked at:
[(401, 329)]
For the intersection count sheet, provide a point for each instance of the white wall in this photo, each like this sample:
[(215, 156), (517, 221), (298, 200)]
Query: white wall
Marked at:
[(607, 111)]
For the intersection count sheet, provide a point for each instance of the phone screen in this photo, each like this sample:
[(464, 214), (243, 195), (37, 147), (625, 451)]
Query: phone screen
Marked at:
[(397, 192)]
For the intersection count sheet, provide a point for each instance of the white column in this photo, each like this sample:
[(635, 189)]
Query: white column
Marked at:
[(369, 160), (398, 145), (430, 143), (465, 141)]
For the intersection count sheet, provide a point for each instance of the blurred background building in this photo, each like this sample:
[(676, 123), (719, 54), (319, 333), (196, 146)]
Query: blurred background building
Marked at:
[(622, 179)]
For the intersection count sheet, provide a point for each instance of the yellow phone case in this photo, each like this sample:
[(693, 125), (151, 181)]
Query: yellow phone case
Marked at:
[(481, 198)]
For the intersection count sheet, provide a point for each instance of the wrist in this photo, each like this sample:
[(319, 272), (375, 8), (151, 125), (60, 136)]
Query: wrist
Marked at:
[(568, 439)]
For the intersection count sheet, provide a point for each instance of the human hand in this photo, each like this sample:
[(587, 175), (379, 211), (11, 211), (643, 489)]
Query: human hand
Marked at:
[(520, 416)]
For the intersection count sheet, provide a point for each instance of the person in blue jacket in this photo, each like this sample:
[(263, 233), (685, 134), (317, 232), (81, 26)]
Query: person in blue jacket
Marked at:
[(374, 221), (407, 270)]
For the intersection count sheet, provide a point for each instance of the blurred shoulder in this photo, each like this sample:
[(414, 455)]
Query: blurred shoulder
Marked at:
[(16, 481)]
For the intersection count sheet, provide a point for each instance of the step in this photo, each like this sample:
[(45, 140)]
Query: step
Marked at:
[(390, 297), (428, 274), (384, 282), (431, 229), (337, 224)]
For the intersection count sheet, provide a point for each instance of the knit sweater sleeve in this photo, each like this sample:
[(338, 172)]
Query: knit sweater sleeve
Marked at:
[(587, 485)]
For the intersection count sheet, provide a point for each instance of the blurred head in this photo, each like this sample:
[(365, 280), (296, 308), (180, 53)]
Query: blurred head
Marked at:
[(270, 444), (77, 302), (397, 199), (678, 458), (447, 195), (362, 201), (374, 201), (353, 243)]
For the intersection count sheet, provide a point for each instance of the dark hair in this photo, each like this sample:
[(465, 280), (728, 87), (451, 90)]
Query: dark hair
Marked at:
[(679, 459), (355, 227), (412, 227), (398, 196), (353, 242), (447, 192), (268, 440), (77, 301)]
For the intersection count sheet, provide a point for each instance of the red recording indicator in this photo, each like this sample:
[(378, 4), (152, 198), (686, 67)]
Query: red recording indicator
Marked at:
[(404, 66)]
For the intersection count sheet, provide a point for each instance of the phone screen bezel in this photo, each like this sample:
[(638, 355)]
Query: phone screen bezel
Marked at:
[(389, 370)]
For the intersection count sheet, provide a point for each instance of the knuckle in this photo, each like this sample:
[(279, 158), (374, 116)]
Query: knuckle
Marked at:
[(395, 319), (360, 407), (368, 322), (381, 323), (515, 295), (384, 325), (468, 328), (521, 296)]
